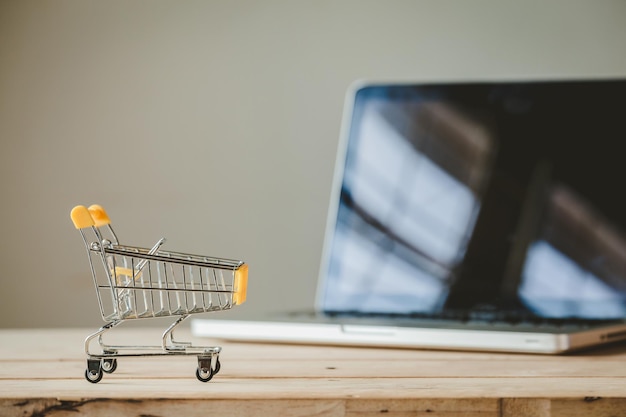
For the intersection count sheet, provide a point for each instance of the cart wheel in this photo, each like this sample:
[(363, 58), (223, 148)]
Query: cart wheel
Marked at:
[(204, 374), (93, 376), (109, 365), (217, 366)]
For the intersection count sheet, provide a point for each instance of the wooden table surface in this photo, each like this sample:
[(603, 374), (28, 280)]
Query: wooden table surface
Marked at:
[(42, 374)]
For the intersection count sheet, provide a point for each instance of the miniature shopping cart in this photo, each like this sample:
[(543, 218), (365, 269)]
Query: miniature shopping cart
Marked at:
[(138, 283)]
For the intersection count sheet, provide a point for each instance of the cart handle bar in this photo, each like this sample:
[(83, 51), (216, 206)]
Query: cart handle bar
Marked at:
[(99, 215), (81, 217), (84, 217)]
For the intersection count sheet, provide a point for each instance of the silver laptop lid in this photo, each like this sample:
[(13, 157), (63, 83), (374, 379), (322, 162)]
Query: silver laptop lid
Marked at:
[(479, 198)]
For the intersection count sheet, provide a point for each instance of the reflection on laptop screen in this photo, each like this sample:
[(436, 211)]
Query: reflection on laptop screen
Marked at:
[(576, 264), (466, 197)]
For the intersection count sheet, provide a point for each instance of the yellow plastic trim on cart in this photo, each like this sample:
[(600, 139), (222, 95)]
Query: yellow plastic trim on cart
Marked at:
[(240, 286), (119, 272), (99, 215), (81, 218)]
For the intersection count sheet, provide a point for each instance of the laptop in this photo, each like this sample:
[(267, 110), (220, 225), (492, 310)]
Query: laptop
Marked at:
[(470, 216)]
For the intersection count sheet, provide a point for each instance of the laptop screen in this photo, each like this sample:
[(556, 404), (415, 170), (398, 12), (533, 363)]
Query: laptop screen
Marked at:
[(503, 197)]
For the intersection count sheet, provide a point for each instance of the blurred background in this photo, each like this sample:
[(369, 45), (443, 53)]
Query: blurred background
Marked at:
[(215, 123)]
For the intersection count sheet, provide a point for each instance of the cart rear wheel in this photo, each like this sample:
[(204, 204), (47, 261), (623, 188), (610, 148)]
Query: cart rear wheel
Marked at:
[(93, 376), (109, 365), (204, 374)]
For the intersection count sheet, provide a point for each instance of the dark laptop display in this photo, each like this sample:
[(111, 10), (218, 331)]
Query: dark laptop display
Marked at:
[(481, 198)]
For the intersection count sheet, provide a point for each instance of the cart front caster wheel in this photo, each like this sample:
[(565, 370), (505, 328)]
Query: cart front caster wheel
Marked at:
[(217, 366), (93, 376), (204, 374), (109, 365)]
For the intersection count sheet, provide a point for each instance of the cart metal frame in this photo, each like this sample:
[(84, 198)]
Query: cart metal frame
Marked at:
[(140, 283)]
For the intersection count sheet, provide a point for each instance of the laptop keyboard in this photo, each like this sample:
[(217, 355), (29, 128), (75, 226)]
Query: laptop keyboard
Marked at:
[(481, 317)]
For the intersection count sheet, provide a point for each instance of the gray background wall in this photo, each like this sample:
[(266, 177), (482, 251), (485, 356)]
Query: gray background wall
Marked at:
[(215, 123)]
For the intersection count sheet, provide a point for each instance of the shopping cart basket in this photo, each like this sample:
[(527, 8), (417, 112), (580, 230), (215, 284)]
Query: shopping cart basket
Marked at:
[(138, 283)]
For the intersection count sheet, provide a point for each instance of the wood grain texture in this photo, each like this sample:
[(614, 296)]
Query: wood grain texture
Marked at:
[(41, 374)]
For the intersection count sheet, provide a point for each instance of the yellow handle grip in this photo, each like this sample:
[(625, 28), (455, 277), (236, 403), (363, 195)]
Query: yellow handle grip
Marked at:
[(99, 215), (240, 285), (81, 217)]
